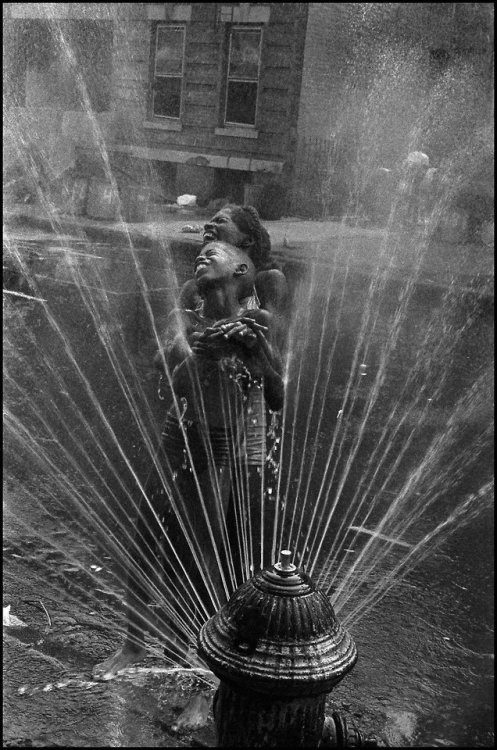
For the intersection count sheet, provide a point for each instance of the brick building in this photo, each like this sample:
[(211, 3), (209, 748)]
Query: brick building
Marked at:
[(214, 99), (200, 98)]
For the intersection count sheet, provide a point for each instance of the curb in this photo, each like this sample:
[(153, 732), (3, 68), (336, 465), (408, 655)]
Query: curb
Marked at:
[(180, 244), (119, 232)]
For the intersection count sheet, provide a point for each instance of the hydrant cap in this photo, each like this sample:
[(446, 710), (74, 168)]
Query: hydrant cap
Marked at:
[(278, 631)]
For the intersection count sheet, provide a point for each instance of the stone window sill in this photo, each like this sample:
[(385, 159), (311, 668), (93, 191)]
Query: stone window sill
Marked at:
[(235, 132), (244, 13), (163, 125), (173, 12)]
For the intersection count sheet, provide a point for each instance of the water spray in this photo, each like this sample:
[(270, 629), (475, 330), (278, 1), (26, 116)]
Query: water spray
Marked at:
[(278, 649)]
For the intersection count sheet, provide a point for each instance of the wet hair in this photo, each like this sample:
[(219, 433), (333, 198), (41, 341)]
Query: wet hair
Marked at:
[(248, 221)]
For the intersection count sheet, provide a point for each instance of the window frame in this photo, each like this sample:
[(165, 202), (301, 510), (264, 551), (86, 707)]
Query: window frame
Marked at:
[(231, 29), (153, 76)]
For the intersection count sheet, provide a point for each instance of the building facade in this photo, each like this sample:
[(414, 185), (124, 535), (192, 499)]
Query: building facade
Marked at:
[(200, 98), (228, 100)]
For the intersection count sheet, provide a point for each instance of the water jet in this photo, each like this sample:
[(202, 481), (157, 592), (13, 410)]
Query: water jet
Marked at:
[(384, 438), (278, 649)]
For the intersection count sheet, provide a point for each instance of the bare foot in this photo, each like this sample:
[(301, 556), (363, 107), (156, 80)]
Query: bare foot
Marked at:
[(192, 658), (128, 654), (194, 715)]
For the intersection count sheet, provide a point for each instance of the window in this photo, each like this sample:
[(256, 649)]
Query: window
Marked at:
[(438, 61), (243, 76), (168, 71)]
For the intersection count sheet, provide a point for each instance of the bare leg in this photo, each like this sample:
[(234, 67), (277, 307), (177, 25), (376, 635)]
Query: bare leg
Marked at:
[(216, 495), (123, 658), (143, 580), (146, 576), (194, 715), (132, 651)]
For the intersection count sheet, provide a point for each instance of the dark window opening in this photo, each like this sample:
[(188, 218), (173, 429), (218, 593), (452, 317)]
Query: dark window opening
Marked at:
[(439, 61), (242, 82), (230, 184), (167, 97), (164, 181), (241, 102), (169, 45)]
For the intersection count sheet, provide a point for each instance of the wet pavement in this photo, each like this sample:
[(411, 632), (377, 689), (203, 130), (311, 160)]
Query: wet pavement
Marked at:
[(424, 675), (292, 240), (425, 670), (70, 614)]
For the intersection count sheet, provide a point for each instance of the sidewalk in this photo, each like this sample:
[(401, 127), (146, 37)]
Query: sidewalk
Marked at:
[(293, 241)]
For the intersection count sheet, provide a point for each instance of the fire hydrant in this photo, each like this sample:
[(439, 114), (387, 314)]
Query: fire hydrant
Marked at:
[(277, 649)]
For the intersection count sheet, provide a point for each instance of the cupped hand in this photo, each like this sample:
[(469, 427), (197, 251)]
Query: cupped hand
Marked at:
[(210, 343), (245, 331)]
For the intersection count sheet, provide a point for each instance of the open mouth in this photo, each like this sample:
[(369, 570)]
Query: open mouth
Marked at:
[(209, 236), (200, 263)]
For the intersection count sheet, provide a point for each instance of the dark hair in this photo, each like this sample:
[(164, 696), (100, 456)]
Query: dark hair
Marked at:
[(248, 221)]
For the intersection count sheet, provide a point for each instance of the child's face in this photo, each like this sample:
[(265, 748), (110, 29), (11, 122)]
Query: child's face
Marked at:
[(222, 227), (218, 260)]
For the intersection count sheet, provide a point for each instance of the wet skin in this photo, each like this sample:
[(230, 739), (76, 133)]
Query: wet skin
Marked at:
[(270, 284), (220, 262), (129, 654), (222, 227), (221, 266), (222, 271)]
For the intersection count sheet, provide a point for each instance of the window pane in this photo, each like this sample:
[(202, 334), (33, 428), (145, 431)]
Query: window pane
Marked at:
[(169, 51), (244, 54), (241, 101), (167, 97)]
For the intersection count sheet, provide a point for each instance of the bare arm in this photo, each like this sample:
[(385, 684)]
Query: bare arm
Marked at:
[(249, 337), (272, 289), (175, 347), (264, 358)]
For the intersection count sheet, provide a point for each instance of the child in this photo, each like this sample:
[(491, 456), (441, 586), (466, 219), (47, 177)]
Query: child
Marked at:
[(242, 227), (223, 363)]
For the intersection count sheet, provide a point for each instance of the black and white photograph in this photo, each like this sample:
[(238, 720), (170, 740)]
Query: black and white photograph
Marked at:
[(248, 375)]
